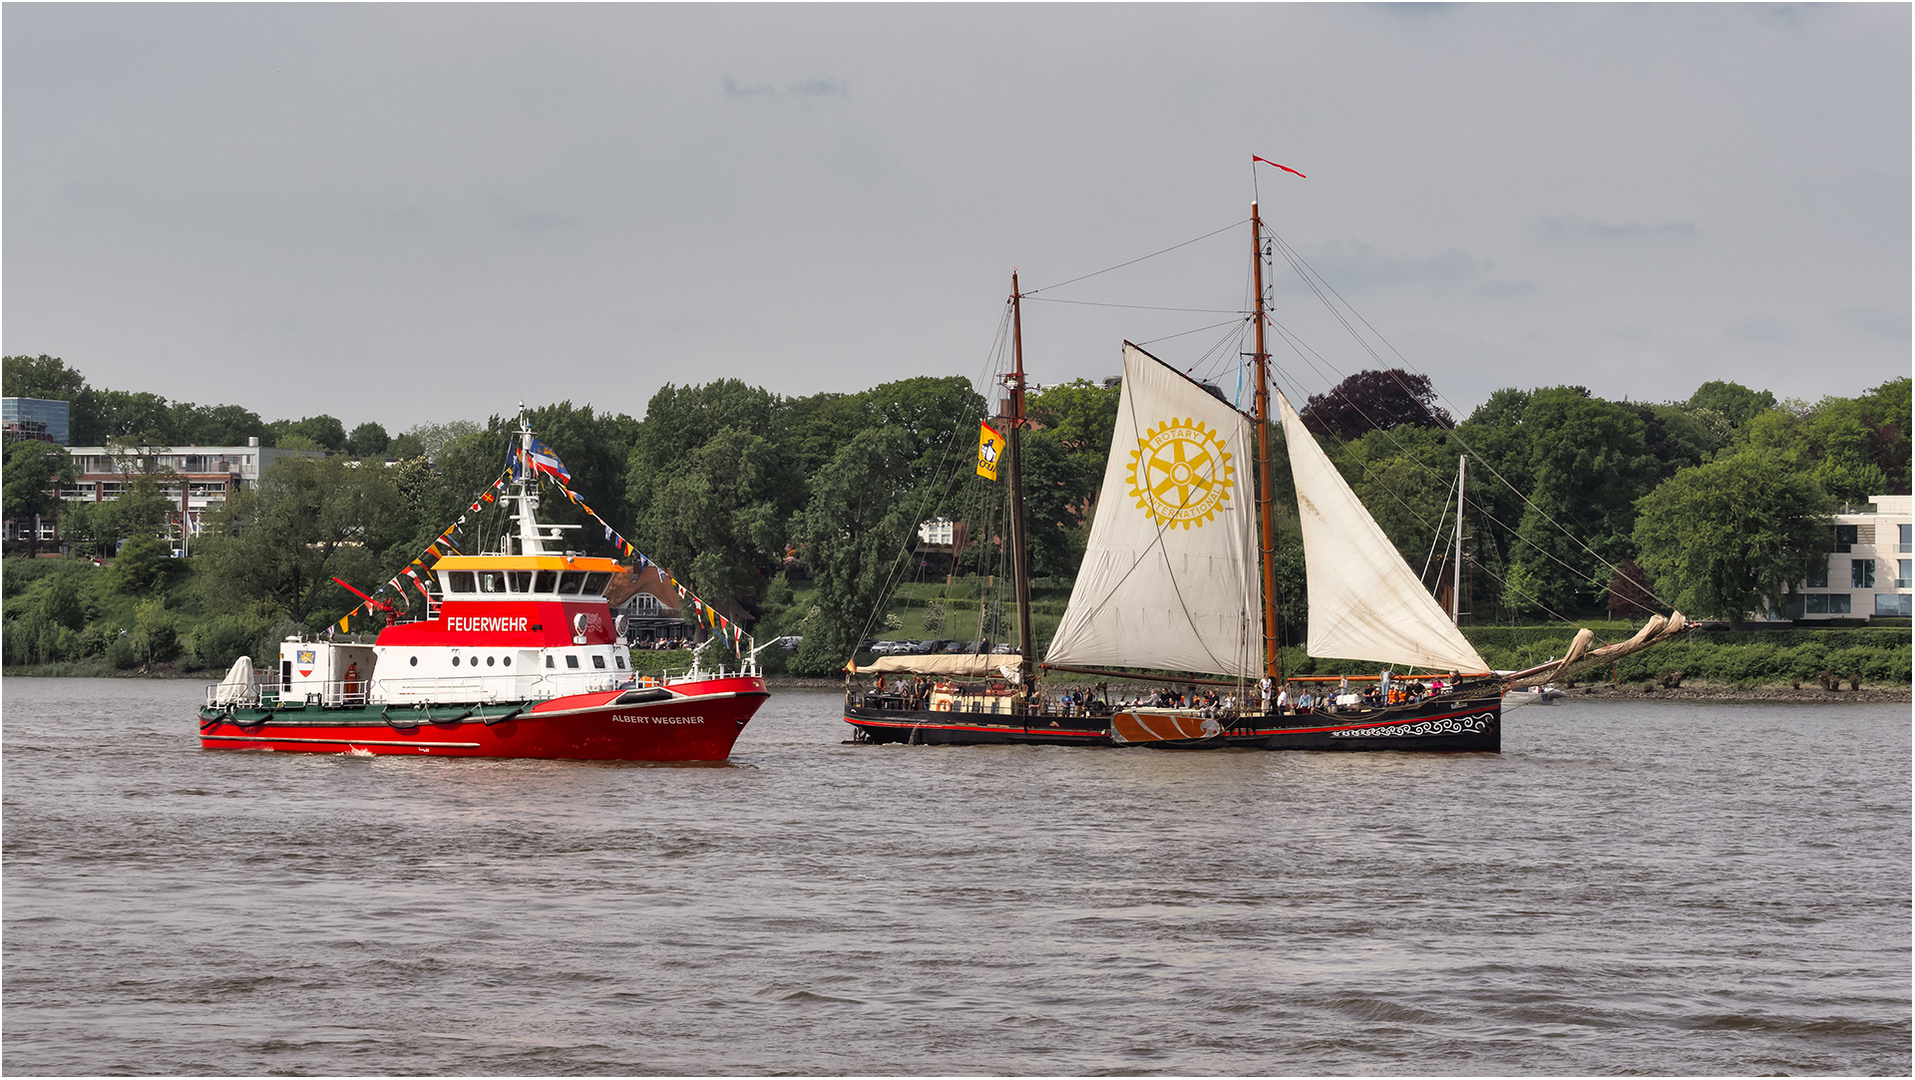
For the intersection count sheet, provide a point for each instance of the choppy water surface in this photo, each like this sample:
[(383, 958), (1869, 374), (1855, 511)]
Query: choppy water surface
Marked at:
[(1655, 888)]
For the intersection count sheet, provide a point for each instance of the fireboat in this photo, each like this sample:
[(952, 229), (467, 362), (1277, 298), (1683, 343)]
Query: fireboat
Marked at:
[(518, 656)]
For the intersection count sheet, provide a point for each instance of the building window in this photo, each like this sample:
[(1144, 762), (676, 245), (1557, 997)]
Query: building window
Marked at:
[(1818, 574), (1888, 603), (1903, 573), (1845, 537), (1908, 536), (1825, 604), (1861, 573)]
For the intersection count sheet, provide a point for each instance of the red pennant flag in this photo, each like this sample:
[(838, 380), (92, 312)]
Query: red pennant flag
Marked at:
[(1285, 168)]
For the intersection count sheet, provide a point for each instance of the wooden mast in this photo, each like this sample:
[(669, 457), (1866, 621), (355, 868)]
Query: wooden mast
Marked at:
[(1267, 530), (1020, 558)]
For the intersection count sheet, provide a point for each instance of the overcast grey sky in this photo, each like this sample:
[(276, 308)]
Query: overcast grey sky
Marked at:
[(425, 213)]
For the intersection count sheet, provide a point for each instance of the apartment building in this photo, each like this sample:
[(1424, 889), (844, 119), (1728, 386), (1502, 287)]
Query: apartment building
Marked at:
[(1867, 573)]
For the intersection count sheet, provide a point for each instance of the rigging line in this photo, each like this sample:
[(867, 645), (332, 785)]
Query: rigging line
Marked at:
[(1438, 532), (1134, 307), (1299, 264), (1132, 262), (1187, 333), (894, 576)]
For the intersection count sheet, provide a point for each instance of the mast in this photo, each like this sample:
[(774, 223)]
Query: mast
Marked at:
[(1267, 530), (1456, 582), (1020, 559)]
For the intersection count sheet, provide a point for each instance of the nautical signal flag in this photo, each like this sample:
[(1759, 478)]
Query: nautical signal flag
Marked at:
[(990, 447)]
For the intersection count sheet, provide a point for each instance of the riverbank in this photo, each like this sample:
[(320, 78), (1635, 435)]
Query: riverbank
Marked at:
[(1780, 693)]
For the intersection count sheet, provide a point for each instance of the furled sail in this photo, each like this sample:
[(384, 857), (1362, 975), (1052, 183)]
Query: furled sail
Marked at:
[(1365, 603), (1169, 578)]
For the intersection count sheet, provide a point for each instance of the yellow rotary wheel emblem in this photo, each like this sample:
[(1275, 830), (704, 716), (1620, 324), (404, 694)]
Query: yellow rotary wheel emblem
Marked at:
[(1180, 473)]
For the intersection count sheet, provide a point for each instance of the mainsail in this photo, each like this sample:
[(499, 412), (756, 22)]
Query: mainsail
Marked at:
[(1365, 603), (1169, 578)]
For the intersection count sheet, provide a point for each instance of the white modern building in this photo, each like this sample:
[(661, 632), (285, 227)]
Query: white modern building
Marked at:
[(1868, 571)]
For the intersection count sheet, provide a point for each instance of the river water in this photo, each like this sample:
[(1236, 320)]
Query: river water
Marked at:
[(1627, 888)]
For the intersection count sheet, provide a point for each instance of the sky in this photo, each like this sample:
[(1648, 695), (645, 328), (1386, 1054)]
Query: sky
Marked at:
[(422, 213)]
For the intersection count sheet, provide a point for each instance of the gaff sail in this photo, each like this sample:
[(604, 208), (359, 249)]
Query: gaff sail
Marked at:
[(1169, 578), (1365, 602)]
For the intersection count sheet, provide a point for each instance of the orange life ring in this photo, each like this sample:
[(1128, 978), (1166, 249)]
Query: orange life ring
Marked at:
[(943, 706)]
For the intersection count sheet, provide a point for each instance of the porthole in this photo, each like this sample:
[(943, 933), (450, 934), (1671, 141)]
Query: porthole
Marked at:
[(507, 661), (455, 661), (414, 661), (489, 661)]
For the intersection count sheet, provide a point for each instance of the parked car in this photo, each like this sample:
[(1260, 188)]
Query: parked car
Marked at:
[(889, 648), (1005, 647), (928, 645)]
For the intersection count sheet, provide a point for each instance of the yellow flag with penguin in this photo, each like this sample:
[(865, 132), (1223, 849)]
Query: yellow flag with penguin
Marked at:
[(990, 447)]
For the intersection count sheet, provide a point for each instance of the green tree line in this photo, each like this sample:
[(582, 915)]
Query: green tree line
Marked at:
[(798, 513)]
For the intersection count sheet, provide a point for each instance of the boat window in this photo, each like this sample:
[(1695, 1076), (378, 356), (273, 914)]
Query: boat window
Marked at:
[(459, 581), (489, 661), (507, 661), (570, 581), (518, 580), (455, 661), (620, 661), (549, 663), (548, 581), (571, 661), (491, 581), (595, 583), (598, 661), (415, 661)]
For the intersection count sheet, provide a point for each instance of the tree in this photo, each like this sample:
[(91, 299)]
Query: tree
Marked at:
[(367, 440), (433, 438), (308, 520), (215, 425), (713, 517), (1733, 400), (1719, 539), (102, 417), (849, 536), (42, 376), (34, 471), (1372, 400), (1629, 593), (327, 431), (1588, 465)]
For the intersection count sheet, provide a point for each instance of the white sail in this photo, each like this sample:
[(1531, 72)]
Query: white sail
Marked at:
[(1365, 603), (1169, 579)]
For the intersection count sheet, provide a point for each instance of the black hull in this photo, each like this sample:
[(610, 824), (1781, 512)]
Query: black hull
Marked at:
[(1467, 726)]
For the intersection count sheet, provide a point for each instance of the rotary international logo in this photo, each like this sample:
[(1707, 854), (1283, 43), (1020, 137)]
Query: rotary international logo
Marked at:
[(1180, 473)]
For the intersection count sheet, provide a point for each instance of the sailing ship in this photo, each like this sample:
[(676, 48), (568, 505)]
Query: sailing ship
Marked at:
[(1179, 576), (519, 656)]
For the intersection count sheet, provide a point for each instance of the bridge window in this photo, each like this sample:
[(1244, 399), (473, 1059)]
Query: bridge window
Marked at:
[(595, 583), (460, 581), (519, 580), (548, 581), (491, 581), (570, 582)]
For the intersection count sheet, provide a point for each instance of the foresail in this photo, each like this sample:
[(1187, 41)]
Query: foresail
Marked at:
[(1365, 603), (1169, 578)]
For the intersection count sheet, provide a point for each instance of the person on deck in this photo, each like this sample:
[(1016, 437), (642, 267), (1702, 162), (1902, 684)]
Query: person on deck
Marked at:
[(1264, 689), (1283, 700)]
